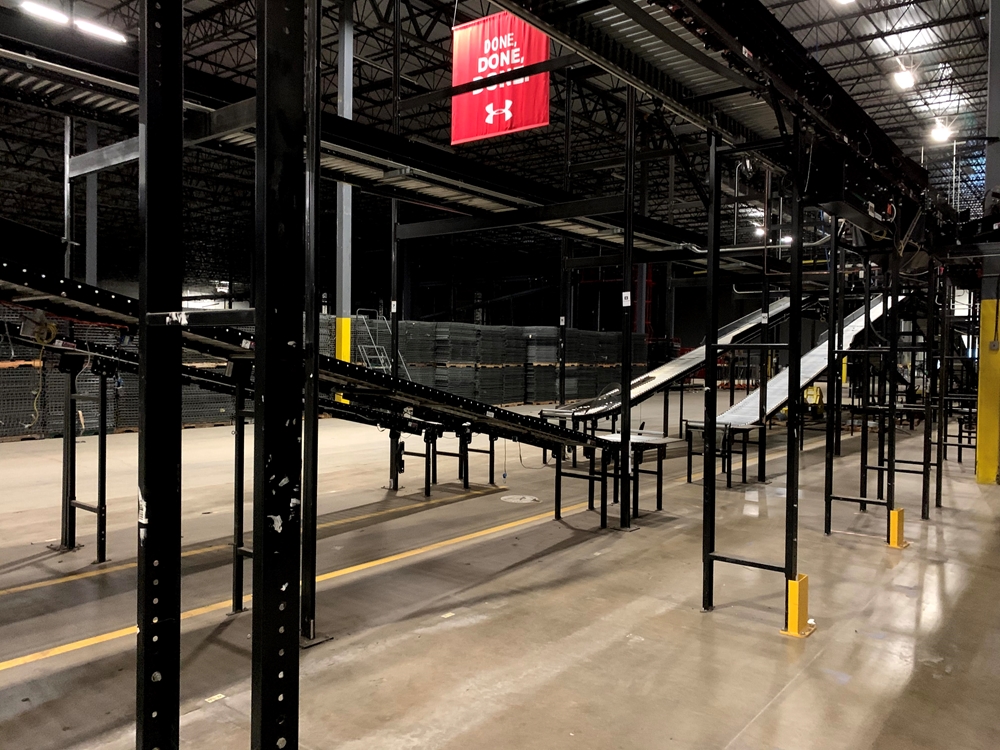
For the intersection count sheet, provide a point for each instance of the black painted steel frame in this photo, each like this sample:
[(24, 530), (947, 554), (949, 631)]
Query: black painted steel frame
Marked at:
[(278, 302), (160, 286), (313, 274), (794, 403)]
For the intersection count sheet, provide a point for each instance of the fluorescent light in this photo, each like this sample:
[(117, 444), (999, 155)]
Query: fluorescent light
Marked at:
[(759, 231), (87, 27), (787, 239), (941, 132), (44, 11), (904, 79), (845, 2)]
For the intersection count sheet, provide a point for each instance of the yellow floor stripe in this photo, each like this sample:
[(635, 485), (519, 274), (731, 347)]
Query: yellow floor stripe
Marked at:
[(68, 647), (406, 508), (225, 605), (216, 547), (218, 606), (100, 572)]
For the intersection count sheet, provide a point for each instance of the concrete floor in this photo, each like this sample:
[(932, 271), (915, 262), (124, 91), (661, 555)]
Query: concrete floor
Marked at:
[(543, 635)]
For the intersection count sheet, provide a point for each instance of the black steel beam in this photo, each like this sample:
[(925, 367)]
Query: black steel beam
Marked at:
[(161, 119), (279, 301), (546, 66), (515, 218)]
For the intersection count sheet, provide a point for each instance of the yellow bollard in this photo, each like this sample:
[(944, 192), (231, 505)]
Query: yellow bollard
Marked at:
[(896, 538), (343, 346), (798, 625)]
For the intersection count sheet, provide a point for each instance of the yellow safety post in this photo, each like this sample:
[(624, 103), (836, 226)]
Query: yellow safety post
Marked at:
[(896, 538), (798, 625), (343, 345), (988, 404)]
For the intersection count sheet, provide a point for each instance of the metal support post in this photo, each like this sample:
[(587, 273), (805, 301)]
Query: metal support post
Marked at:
[(711, 372), (341, 297), (794, 368), (279, 301), (493, 442), (842, 293), (942, 388), (239, 492), (428, 452), (463, 460), (102, 472), (892, 374), (161, 144), (394, 221), (313, 300), (90, 269), (930, 387), (68, 536), (604, 488), (833, 293), (866, 380), (629, 207), (765, 328), (564, 273), (67, 199), (559, 469)]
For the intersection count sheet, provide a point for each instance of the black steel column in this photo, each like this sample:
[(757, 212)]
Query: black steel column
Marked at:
[(794, 366), (842, 293), (279, 301), (944, 307), (765, 327), (239, 454), (711, 371), (930, 386), (161, 143), (892, 371), (397, 37), (866, 380), (102, 472), (833, 293), (67, 539), (313, 300), (564, 273), (629, 207)]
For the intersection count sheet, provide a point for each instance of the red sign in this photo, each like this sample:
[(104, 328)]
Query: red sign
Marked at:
[(487, 47)]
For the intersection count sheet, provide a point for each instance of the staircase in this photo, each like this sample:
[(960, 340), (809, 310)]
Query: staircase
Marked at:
[(373, 336)]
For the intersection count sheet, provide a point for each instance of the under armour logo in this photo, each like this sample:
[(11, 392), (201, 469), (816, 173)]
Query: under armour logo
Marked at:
[(492, 112)]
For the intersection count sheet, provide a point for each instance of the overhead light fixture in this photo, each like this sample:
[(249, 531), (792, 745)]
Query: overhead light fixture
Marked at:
[(89, 27), (904, 79), (845, 2), (759, 231), (44, 11), (941, 132), (786, 240)]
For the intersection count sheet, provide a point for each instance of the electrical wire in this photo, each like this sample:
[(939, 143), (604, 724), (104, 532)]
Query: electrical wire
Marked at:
[(521, 459)]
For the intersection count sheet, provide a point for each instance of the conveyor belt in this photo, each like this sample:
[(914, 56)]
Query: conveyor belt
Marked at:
[(375, 398), (814, 363), (666, 375)]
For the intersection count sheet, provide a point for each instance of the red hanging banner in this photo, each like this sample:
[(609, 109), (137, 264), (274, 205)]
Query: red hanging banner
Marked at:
[(487, 47)]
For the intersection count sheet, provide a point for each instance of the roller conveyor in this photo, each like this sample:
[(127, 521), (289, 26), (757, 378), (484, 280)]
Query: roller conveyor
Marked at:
[(374, 397), (814, 364), (666, 375)]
